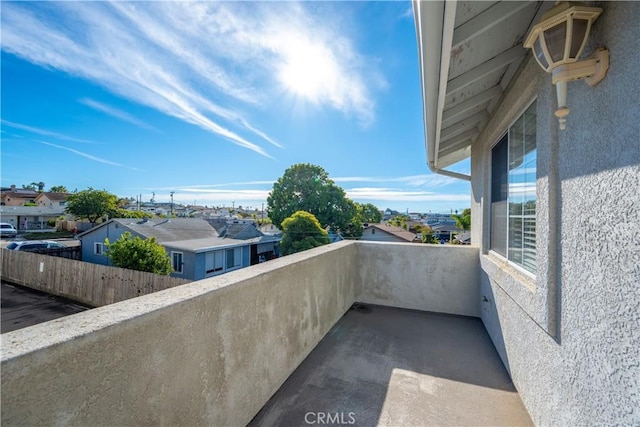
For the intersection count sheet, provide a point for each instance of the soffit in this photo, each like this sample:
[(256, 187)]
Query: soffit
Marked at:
[(469, 53)]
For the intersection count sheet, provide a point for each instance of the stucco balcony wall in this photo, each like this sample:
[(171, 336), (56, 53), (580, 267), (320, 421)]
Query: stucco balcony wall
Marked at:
[(436, 278), (213, 352)]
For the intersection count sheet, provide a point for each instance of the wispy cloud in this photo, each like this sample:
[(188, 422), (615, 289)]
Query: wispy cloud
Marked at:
[(114, 112), (88, 156), (431, 180), (400, 195), (45, 132), (205, 63)]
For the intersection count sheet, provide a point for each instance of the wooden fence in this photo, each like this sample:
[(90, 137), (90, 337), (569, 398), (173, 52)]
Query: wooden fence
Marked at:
[(90, 284)]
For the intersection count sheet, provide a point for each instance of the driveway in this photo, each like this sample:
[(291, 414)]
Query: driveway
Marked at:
[(21, 307)]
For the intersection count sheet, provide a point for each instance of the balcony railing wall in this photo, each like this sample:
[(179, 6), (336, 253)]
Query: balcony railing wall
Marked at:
[(213, 352)]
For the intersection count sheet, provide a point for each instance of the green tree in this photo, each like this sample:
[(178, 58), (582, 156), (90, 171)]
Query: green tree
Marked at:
[(58, 189), (302, 231), (369, 213), (306, 187), (427, 234), (125, 213), (399, 221), (463, 220), (139, 254), (91, 204)]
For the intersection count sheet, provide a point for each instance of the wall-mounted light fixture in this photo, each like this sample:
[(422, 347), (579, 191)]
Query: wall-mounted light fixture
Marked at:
[(557, 42)]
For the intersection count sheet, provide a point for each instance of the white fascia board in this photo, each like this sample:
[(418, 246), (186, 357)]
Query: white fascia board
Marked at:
[(429, 20), (434, 27)]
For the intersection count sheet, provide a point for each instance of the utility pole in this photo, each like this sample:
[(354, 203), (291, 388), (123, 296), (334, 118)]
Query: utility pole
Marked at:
[(172, 202)]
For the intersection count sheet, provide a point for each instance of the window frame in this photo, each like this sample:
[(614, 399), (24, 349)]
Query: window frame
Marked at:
[(236, 263), (498, 140), (215, 270), (173, 261), (97, 251)]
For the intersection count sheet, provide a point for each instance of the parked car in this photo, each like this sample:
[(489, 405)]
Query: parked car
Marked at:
[(34, 245), (7, 229)]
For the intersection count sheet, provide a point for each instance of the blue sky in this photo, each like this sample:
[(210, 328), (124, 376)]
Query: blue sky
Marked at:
[(214, 101)]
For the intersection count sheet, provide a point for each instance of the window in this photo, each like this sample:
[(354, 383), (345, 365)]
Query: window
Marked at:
[(176, 261), (97, 248), (234, 258), (513, 192), (214, 261)]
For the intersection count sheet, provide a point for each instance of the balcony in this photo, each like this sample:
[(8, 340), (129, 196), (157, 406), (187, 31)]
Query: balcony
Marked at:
[(269, 344)]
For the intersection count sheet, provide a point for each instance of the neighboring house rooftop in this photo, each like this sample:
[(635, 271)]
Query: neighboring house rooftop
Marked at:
[(241, 231), (54, 197), (208, 243), (440, 228), (166, 230), (396, 231)]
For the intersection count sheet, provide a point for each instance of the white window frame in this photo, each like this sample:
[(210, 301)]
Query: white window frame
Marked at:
[(179, 270), (98, 248), (519, 265)]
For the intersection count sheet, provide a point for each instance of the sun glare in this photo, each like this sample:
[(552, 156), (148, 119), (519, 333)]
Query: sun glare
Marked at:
[(308, 71)]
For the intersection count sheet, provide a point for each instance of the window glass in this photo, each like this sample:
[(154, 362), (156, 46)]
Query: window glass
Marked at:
[(513, 192), (97, 248), (176, 261), (214, 261), (234, 257)]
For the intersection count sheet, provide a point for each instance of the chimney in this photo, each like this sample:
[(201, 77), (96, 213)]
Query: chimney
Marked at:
[(13, 187)]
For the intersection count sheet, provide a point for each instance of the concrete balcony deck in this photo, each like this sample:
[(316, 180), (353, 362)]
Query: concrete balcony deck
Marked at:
[(386, 366), (214, 352)]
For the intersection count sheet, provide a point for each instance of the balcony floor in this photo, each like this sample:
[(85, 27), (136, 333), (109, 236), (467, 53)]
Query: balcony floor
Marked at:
[(385, 366)]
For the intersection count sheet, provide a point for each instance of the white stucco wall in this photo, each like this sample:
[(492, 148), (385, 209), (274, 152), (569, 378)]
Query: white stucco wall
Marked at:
[(571, 337), (439, 278)]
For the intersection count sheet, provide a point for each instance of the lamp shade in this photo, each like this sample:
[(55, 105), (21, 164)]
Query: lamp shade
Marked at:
[(561, 34)]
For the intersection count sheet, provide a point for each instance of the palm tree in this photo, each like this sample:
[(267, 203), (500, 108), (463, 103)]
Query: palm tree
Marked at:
[(463, 221)]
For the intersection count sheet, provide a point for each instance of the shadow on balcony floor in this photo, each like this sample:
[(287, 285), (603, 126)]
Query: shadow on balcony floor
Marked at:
[(389, 366)]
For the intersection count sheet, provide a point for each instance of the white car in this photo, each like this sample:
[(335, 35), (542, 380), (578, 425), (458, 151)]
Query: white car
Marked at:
[(7, 229), (34, 245)]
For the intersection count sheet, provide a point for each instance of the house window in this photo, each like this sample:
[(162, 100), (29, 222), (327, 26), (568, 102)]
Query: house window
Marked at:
[(513, 192), (176, 261), (97, 248), (214, 262), (234, 258)]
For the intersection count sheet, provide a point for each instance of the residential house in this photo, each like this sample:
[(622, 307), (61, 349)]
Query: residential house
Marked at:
[(553, 291), (387, 233), (25, 218), (52, 200), (18, 196), (196, 249), (445, 232)]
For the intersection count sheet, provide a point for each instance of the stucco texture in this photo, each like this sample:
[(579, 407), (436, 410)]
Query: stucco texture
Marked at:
[(570, 337)]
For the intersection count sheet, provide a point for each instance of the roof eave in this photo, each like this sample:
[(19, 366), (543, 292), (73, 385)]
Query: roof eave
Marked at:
[(435, 22)]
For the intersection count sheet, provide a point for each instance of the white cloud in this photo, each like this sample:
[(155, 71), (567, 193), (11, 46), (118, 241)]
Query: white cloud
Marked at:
[(202, 63), (44, 132), (87, 156), (429, 180), (114, 112), (400, 195)]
